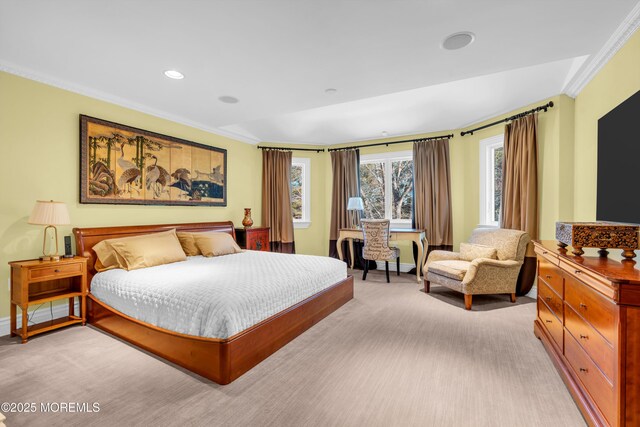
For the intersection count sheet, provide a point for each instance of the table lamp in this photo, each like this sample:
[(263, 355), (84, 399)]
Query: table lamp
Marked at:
[(355, 204), (49, 213)]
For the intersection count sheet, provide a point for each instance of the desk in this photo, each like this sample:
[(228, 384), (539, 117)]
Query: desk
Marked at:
[(411, 234)]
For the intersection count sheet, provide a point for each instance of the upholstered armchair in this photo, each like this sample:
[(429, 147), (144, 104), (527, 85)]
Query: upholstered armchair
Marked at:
[(488, 264), (376, 245)]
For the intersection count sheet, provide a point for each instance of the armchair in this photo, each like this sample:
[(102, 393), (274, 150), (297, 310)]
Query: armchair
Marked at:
[(489, 264)]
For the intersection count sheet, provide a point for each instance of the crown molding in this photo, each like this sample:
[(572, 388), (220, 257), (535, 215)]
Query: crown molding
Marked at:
[(106, 97), (595, 62)]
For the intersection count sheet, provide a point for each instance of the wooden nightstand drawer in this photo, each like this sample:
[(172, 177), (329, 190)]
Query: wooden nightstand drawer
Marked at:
[(254, 238), (37, 282), (55, 271)]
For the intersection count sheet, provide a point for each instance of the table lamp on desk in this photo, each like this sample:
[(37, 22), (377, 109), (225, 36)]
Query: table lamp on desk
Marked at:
[(49, 213), (355, 204)]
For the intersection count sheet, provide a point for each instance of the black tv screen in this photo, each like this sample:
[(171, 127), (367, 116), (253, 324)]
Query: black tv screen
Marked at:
[(618, 198)]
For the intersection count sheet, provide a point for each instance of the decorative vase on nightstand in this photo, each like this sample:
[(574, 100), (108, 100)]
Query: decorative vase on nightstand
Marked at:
[(247, 221)]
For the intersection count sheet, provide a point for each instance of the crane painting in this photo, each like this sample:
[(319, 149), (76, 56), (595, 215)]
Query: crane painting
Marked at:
[(125, 165)]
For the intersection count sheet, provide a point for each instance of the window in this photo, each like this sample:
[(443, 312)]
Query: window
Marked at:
[(386, 187), (300, 187), (491, 156)]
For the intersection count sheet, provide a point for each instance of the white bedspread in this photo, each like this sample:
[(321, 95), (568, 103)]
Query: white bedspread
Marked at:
[(217, 297)]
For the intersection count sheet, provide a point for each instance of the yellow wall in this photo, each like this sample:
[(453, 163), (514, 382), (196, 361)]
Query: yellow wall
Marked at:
[(555, 144), (616, 81), (39, 140), (39, 137)]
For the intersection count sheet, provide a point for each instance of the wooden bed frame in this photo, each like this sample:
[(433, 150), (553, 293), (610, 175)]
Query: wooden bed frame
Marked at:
[(220, 360)]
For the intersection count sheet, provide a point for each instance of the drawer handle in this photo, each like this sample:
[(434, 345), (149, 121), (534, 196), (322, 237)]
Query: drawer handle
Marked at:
[(585, 370), (548, 321), (56, 271), (547, 298), (583, 306), (548, 276), (584, 337), (577, 271), (544, 252)]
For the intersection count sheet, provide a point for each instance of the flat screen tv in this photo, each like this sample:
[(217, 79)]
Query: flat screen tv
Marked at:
[(618, 198)]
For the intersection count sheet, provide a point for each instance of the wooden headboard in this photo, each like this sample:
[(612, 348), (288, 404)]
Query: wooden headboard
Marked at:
[(87, 238)]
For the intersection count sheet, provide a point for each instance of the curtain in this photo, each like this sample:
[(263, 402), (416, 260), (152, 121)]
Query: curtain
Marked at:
[(520, 188), (432, 193), (276, 199), (520, 176), (345, 167)]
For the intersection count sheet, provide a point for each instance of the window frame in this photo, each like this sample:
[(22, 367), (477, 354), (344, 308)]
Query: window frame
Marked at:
[(387, 158), (305, 162), (487, 180)]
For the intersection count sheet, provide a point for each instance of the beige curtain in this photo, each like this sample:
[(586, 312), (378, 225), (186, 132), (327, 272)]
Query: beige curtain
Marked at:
[(520, 176), (344, 165), (276, 199), (432, 189), (520, 189)]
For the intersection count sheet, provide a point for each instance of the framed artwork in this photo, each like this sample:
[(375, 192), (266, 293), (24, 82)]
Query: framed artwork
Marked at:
[(124, 165)]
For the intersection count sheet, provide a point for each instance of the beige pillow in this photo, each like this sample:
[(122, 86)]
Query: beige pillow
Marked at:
[(471, 251), (108, 258), (216, 243), (149, 250), (188, 243)]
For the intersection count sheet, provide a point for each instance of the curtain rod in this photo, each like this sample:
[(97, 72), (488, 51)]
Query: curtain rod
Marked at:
[(516, 116), (317, 150), (353, 147)]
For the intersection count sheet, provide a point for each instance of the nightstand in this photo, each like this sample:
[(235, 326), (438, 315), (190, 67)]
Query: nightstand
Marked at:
[(36, 282), (253, 238)]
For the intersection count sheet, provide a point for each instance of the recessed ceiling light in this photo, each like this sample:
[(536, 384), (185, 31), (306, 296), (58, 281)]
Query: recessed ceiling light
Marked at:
[(228, 99), (173, 74), (330, 91), (458, 40)]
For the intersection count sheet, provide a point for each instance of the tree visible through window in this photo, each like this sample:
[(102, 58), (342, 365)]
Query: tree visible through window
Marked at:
[(498, 155), (300, 192), (386, 187), (297, 175), (491, 159)]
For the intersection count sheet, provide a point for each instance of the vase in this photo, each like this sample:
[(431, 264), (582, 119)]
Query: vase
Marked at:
[(247, 221)]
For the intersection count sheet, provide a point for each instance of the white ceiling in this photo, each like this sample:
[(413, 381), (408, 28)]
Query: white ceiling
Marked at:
[(278, 57)]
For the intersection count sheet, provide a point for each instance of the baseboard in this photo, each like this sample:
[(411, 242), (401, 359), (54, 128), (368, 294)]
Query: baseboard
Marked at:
[(404, 268), (41, 315)]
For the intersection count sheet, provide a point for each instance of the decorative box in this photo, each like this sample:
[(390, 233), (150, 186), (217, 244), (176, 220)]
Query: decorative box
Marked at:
[(603, 235)]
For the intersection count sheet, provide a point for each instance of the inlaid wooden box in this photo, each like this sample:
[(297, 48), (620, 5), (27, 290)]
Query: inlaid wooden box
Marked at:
[(603, 235)]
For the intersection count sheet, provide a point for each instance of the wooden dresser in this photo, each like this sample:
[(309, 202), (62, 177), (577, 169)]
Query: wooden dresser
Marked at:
[(253, 238), (589, 323)]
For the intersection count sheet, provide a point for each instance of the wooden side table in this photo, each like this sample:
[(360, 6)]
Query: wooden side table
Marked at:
[(37, 282), (253, 238)]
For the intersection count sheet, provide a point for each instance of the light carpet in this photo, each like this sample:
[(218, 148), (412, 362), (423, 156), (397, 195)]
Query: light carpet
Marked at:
[(392, 356)]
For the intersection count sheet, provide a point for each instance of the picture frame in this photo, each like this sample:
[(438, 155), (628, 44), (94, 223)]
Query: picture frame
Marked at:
[(122, 164)]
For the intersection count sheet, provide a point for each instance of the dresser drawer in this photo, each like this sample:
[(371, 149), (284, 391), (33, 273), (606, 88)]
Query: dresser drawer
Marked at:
[(56, 271), (551, 322), (593, 307), (552, 276), (551, 298), (593, 380), (591, 341)]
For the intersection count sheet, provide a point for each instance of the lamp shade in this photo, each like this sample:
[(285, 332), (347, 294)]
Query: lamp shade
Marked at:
[(355, 204), (49, 213)]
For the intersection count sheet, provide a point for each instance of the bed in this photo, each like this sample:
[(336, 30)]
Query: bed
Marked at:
[(220, 348)]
